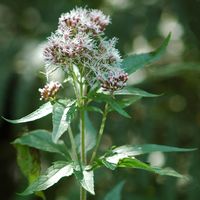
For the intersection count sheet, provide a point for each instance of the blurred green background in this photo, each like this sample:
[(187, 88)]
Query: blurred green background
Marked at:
[(171, 119)]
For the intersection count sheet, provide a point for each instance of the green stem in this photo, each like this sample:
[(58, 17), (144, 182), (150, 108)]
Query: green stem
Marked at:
[(101, 130), (74, 153), (83, 193)]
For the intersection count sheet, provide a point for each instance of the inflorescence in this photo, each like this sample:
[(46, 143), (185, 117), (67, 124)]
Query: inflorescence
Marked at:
[(80, 41)]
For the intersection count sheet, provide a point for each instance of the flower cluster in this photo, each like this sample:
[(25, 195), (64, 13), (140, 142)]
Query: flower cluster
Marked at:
[(49, 90), (80, 41), (114, 81)]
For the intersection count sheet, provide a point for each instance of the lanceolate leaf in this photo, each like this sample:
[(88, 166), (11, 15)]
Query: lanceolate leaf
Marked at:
[(134, 163), (137, 61), (115, 193), (63, 113), (54, 173), (42, 111), (135, 150), (135, 92), (41, 139)]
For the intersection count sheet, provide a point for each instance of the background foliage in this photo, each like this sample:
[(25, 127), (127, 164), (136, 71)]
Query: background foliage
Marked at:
[(171, 119)]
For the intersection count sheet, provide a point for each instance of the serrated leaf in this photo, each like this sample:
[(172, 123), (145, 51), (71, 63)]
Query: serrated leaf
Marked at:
[(135, 150), (41, 139), (63, 113), (42, 111), (54, 173), (29, 162), (134, 62), (115, 193), (134, 163), (90, 135), (134, 91), (86, 179)]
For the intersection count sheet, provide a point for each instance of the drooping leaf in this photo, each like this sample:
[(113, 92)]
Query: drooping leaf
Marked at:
[(85, 178), (41, 139), (115, 193), (29, 162), (54, 173), (134, 62), (134, 91), (135, 163), (90, 135), (63, 113), (42, 111)]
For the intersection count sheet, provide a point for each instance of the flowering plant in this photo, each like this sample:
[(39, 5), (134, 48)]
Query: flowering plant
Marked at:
[(92, 65)]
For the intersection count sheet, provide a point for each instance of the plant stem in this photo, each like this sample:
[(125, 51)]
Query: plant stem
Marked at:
[(83, 193), (74, 153), (101, 130)]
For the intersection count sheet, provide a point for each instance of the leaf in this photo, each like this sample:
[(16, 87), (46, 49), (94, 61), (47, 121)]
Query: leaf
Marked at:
[(42, 111), (62, 115), (90, 135), (135, 150), (41, 139), (125, 102), (29, 163), (85, 178), (115, 193), (134, 163), (54, 173), (94, 109), (115, 106), (134, 91), (137, 61)]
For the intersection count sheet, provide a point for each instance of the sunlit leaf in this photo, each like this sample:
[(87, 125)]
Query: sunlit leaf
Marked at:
[(125, 102), (86, 179), (115, 193), (54, 173), (134, 62), (41, 139), (63, 113), (134, 150), (42, 111)]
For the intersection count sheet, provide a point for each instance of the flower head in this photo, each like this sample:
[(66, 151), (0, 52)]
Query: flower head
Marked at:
[(49, 90), (79, 41)]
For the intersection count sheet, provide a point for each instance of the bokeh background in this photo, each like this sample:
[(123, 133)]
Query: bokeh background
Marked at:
[(171, 119)]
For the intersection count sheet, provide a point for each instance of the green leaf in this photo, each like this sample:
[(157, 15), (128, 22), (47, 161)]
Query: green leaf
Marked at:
[(63, 113), (90, 135), (134, 163), (54, 173), (42, 111), (29, 162), (125, 102), (134, 91), (41, 139), (115, 193), (94, 109), (135, 150), (137, 61), (85, 178), (115, 106)]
